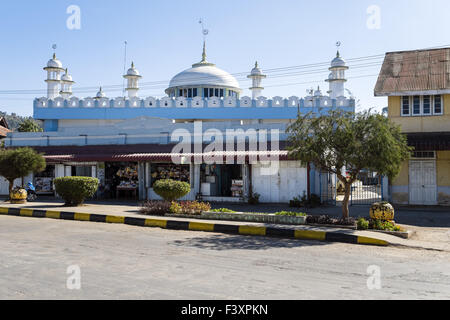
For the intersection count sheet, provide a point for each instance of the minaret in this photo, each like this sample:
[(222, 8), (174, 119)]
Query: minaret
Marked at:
[(132, 77), (256, 76), (66, 85), (100, 94), (54, 69), (336, 79)]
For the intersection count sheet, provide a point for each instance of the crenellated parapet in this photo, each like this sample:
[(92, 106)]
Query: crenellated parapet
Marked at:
[(194, 103)]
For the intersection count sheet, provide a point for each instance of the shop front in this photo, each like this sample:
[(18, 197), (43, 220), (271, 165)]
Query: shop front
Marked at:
[(121, 181), (43, 181), (222, 182)]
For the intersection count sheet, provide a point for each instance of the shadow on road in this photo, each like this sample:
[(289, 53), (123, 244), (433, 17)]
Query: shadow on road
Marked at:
[(226, 242)]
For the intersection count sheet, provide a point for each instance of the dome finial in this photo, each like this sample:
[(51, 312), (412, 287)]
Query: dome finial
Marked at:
[(54, 56), (256, 64), (132, 64), (204, 51)]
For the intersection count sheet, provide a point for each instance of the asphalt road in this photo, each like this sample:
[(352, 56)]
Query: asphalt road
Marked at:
[(125, 262)]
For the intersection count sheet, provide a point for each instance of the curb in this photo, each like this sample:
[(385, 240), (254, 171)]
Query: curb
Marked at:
[(198, 226)]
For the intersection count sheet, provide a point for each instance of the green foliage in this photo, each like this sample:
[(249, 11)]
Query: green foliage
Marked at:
[(155, 208), (340, 140), (18, 163), (194, 207), (253, 199), (175, 208), (13, 119), (223, 210), (291, 214), (384, 225), (303, 201), (171, 190), (74, 190), (29, 125), (362, 224)]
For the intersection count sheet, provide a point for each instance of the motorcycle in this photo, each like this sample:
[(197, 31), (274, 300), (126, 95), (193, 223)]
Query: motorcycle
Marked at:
[(31, 192)]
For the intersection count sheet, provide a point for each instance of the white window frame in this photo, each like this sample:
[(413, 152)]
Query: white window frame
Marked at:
[(421, 113), (442, 105), (409, 107)]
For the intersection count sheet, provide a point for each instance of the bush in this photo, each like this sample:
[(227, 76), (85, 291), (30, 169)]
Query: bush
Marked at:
[(290, 214), (223, 210), (171, 190), (253, 199), (155, 208), (362, 224), (324, 219), (194, 207), (384, 225), (303, 201), (175, 208), (74, 190)]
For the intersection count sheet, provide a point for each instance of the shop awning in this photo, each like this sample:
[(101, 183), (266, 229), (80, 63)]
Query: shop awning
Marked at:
[(226, 156)]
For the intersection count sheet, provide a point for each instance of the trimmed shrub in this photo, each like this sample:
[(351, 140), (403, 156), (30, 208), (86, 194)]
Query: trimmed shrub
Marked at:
[(362, 224), (155, 208), (74, 190), (171, 190)]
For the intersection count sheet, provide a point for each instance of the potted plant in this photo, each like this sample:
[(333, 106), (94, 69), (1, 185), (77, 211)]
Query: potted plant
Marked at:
[(18, 196), (382, 211)]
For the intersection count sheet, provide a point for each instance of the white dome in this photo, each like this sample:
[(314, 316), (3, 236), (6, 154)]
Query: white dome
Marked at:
[(100, 94), (256, 71), (66, 77), (54, 63), (206, 74), (133, 71), (338, 61)]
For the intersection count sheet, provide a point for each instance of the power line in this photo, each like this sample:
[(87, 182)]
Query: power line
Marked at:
[(365, 60)]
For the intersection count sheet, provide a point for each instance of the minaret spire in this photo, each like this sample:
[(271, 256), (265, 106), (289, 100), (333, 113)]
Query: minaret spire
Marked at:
[(204, 51)]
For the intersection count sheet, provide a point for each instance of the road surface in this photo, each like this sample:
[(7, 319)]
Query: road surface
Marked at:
[(39, 256)]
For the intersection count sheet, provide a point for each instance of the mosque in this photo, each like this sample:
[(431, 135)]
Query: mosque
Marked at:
[(130, 142)]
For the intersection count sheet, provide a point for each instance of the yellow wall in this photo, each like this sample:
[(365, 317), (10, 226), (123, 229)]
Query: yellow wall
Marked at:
[(443, 168), (420, 124), (403, 177)]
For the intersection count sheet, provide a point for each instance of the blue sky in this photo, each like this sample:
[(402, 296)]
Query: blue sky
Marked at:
[(164, 38)]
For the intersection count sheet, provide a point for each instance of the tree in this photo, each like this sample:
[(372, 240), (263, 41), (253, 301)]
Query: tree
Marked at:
[(29, 125), (17, 163), (171, 190), (343, 140)]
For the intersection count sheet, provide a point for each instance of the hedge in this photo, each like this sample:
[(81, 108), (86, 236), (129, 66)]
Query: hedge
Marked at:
[(171, 190), (74, 190)]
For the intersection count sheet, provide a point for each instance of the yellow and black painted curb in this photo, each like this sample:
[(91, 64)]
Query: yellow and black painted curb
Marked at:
[(198, 226)]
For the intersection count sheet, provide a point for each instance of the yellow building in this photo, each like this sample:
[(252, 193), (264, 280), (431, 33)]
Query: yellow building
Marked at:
[(417, 84)]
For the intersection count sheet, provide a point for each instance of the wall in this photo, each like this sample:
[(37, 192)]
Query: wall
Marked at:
[(443, 177), (289, 182), (420, 124), (400, 185)]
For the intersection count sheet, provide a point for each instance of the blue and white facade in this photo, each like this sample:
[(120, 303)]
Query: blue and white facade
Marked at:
[(204, 101)]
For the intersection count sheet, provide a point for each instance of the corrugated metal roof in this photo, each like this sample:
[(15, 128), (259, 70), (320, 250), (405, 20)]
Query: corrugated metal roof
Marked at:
[(419, 70)]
